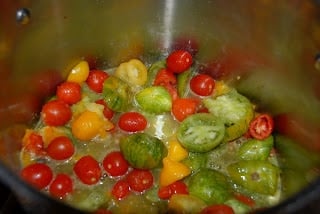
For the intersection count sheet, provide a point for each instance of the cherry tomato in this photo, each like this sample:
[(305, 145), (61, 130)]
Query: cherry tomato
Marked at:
[(35, 144), (69, 92), (56, 113), (177, 187), (115, 164), (140, 180), (60, 148), (179, 61), (183, 107), (38, 175), (88, 170), (202, 84), (164, 77), (61, 185), (96, 79), (217, 209), (120, 189), (245, 199), (132, 122), (261, 127), (107, 112)]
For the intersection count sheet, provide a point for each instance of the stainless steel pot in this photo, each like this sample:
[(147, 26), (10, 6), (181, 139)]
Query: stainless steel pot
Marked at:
[(276, 44)]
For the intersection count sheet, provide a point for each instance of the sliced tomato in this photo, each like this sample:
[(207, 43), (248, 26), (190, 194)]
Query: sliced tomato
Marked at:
[(107, 112), (164, 77), (261, 126), (178, 187), (217, 209), (183, 107), (35, 144)]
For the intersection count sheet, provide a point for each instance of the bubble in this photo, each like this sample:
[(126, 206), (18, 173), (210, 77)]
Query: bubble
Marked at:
[(23, 16)]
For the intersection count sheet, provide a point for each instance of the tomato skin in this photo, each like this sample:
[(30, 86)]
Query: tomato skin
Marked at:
[(202, 84), (261, 127), (56, 113), (88, 170), (38, 175), (140, 180), (107, 112), (178, 187), (179, 61), (217, 209), (69, 92), (96, 79), (61, 185), (120, 189), (164, 77), (60, 148), (183, 107), (35, 144), (115, 164), (132, 122)]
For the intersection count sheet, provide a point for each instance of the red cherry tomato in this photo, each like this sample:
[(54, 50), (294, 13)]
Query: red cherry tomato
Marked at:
[(140, 180), (132, 122), (121, 189), (202, 84), (96, 79), (88, 170), (115, 164), (245, 199), (217, 209), (69, 92), (178, 187), (179, 61), (56, 113), (164, 77), (35, 144), (60, 148), (61, 185), (183, 107), (38, 175), (107, 112), (261, 127)]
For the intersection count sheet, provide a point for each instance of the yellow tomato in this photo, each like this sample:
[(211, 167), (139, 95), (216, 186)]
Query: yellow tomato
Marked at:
[(133, 72), (176, 152), (220, 88), (79, 73)]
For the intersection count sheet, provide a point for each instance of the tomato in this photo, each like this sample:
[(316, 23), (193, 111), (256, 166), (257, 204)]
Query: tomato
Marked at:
[(69, 92), (179, 61), (140, 180), (38, 175), (178, 187), (60, 148), (79, 73), (217, 209), (61, 185), (120, 189), (132, 122), (133, 72), (245, 199), (56, 113), (115, 164), (107, 112), (183, 107), (164, 77), (202, 84), (88, 170), (35, 144), (96, 79), (261, 127)]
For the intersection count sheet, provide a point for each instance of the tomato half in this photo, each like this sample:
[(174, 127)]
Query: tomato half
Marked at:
[(202, 84), (178, 187), (164, 77), (120, 189), (87, 170), (35, 144), (178, 61), (69, 92), (140, 180), (261, 127), (217, 209), (107, 112), (96, 79), (38, 175), (56, 113), (132, 122), (183, 107), (60, 148), (61, 185), (115, 164)]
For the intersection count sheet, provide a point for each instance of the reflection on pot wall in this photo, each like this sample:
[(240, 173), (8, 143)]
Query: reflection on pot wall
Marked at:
[(273, 47)]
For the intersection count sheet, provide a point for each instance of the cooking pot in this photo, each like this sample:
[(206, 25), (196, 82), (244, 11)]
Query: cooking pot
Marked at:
[(266, 49)]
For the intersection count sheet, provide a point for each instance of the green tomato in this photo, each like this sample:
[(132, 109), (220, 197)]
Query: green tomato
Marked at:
[(255, 149), (143, 151), (196, 160), (153, 70), (183, 82), (209, 185), (255, 175), (234, 109), (115, 93), (201, 132), (154, 99)]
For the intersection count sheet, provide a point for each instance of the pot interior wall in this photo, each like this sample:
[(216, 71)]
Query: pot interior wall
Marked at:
[(275, 45)]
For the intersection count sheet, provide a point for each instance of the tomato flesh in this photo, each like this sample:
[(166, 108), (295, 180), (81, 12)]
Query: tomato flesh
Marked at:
[(183, 107), (177, 187), (261, 127)]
